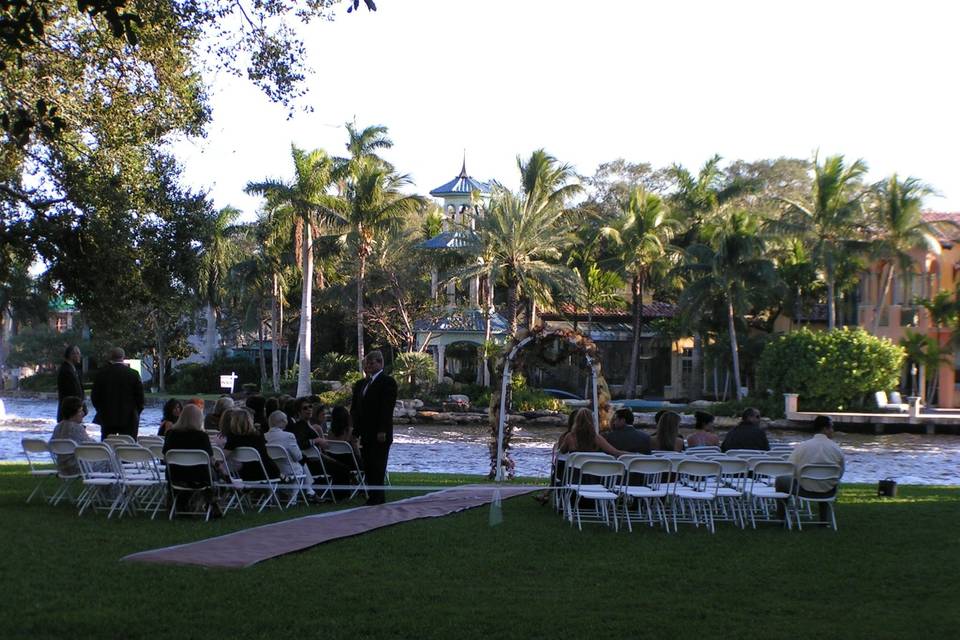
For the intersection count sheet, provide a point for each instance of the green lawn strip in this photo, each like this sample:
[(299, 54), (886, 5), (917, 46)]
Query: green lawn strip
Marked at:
[(888, 573)]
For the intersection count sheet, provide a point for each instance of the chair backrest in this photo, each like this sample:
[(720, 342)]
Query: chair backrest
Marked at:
[(136, 459), (702, 475), (577, 459), (281, 457), (156, 450), (338, 447), (145, 440), (821, 472), (244, 455), (607, 472), (194, 458), (119, 438), (96, 459), (746, 453), (703, 448), (62, 447), (33, 447), (732, 466), (651, 468), (772, 469)]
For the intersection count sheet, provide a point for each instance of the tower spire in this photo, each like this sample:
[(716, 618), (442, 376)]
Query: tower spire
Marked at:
[(463, 169)]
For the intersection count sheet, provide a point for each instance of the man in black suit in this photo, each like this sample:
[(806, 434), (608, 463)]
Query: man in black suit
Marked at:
[(372, 412), (117, 396), (624, 436), (69, 383), (747, 434)]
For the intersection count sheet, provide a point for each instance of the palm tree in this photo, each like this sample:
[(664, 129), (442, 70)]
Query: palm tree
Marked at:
[(830, 220), (521, 243), (901, 228), (601, 289), (641, 232), (217, 256), (373, 203), (730, 266), (302, 203), (698, 198)]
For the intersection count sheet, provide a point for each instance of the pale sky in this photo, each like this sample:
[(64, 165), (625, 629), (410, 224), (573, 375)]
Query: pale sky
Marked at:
[(594, 80)]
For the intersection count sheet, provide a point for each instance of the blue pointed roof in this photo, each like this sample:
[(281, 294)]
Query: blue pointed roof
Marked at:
[(462, 185), (462, 321)]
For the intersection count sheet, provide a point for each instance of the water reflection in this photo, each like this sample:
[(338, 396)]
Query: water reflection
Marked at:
[(909, 458)]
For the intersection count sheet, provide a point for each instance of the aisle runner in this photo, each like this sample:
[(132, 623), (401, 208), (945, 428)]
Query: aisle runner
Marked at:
[(250, 546)]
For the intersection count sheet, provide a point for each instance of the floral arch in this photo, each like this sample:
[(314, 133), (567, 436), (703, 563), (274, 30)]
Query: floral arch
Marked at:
[(538, 344)]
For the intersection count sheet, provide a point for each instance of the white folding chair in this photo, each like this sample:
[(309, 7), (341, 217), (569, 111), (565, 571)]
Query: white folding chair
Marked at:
[(695, 492), (67, 448), (38, 452), (115, 439), (294, 478), (598, 482), (267, 486), (344, 448), (803, 500), (643, 482), (198, 462), (571, 476), (762, 493), (101, 478), (321, 479), (231, 487), (143, 485), (734, 473)]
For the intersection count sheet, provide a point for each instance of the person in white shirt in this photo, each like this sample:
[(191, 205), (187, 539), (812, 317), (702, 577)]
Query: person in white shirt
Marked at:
[(820, 449), (277, 435)]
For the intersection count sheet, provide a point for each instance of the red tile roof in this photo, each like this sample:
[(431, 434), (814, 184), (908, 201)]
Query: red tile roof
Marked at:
[(946, 225), (654, 309)]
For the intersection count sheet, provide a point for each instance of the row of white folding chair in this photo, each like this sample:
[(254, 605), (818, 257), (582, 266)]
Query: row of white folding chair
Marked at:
[(37, 452), (598, 480), (143, 484)]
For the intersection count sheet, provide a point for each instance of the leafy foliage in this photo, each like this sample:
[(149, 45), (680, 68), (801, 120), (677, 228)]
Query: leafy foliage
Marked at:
[(832, 369)]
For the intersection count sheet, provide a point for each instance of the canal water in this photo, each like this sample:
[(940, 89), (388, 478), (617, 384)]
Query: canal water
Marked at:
[(908, 458)]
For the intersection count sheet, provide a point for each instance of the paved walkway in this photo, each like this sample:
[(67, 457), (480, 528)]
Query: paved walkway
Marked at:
[(250, 546)]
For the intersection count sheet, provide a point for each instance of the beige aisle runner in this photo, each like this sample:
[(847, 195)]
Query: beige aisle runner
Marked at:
[(250, 546)]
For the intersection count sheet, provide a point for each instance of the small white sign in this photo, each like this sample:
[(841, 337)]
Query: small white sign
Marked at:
[(226, 382)]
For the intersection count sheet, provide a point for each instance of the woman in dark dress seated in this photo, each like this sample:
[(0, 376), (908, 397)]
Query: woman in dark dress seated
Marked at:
[(171, 413), (240, 431), (188, 433)]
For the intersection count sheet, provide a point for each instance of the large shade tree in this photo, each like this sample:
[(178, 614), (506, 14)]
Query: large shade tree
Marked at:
[(303, 203)]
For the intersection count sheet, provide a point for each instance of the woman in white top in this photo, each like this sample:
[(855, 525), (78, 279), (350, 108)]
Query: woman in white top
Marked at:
[(71, 427)]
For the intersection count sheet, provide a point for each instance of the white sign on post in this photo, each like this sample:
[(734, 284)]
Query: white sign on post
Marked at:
[(226, 382)]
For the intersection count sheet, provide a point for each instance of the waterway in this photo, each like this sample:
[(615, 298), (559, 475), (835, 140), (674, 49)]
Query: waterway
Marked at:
[(908, 458)]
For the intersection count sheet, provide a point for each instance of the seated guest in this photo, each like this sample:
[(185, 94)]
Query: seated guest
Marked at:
[(71, 428), (240, 432), (307, 435), (271, 405), (747, 434), (820, 449), (279, 436), (289, 407), (212, 421), (257, 403), (341, 428), (667, 437), (318, 419), (171, 413), (624, 436), (188, 433), (583, 437), (704, 435)]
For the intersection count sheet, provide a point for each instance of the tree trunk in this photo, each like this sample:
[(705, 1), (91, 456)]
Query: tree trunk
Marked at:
[(487, 329), (831, 298), (512, 307), (210, 336), (360, 275), (882, 297), (734, 351), (630, 385), (275, 329), (161, 386), (697, 382), (306, 313), (532, 317), (263, 360)]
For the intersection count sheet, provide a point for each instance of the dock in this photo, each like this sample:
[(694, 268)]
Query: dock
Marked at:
[(916, 419)]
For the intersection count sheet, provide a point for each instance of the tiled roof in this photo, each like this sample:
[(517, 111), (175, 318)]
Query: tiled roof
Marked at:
[(654, 309), (462, 185), (449, 240), (946, 225), (461, 320)]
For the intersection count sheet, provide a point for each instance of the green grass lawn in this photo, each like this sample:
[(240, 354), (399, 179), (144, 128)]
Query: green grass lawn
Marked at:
[(890, 572)]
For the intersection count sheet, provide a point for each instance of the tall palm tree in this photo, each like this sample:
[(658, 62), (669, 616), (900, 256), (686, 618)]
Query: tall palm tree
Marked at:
[(373, 203), (303, 202), (521, 243), (901, 228), (730, 266), (641, 233), (830, 220), (602, 289), (220, 252), (699, 197)]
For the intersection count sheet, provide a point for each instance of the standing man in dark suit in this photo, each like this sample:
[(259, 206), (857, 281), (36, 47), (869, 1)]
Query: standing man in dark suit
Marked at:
[(372, 412), (69, 383), (117, 396)]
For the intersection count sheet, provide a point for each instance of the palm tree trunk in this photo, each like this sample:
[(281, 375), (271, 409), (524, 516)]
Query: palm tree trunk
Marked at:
[(161, 386), (263, 360), (306, 312), (882, 298), (360, 275), (831, 298), (210, 336), (630, 385), (512, 307), (734, 351), (274, 347), (487, 330)]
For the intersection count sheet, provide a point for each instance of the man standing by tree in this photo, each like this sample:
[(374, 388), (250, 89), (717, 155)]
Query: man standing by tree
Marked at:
[(117, 396), (69, 383), (372, 411)]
